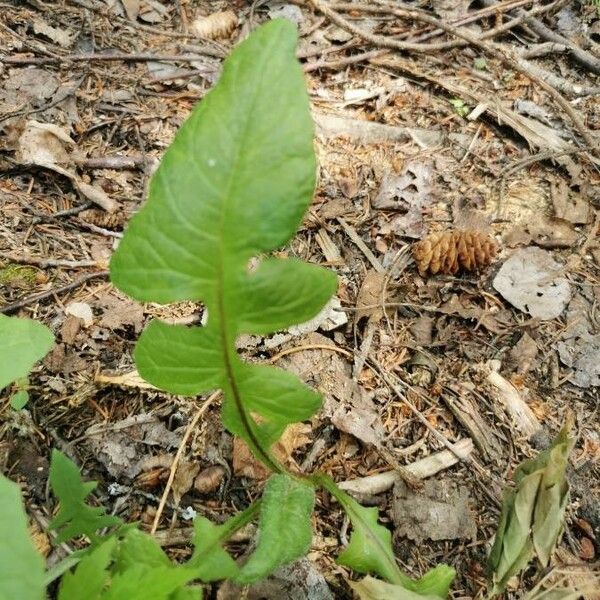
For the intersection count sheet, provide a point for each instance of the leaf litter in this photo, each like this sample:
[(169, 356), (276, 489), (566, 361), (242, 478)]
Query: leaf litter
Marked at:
[(375, 125)]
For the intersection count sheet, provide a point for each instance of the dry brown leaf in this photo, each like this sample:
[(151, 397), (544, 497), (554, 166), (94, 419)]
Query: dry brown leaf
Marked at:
[(368, 302), (45, 145), (209, 479), (449, 251), (184, 479), (245, 465), (218, 25)]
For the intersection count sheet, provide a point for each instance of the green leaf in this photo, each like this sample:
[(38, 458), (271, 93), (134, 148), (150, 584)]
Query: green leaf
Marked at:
[(19, 399), (22, 343), (21, 566), (140, 582), (285, 529), (370, 548), (74, 517), (209, 560), (91, 575), (370, 588), (532, 514), (187, 593), (139, 548), (233, 186), (552, 499), (460, 107)]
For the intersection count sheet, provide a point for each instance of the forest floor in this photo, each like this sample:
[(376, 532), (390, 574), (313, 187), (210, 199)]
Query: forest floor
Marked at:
[(490, 124)]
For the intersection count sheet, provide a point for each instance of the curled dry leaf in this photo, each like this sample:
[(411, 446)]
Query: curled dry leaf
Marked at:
[(209, 479), (45, 145), (449, 251), (218, 25)]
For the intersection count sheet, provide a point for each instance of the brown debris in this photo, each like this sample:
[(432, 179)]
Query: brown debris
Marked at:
[(449, 251), (217, 25)]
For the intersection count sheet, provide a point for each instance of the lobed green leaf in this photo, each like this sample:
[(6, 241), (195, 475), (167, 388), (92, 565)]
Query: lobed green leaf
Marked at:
[(233, 185), (91, 575), (370, 588), (75, 517), (370, 549)]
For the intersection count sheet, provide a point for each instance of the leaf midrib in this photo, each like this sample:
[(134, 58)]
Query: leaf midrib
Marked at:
[(228, 359)]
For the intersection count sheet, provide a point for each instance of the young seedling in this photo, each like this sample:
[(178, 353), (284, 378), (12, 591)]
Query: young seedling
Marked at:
[(233, 186)]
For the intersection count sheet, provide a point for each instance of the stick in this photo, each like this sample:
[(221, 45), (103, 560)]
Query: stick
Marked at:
[(95, 57), (186, 435), (505, 55), (13, 306)]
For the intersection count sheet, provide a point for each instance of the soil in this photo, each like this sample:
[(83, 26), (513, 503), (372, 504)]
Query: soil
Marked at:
[(411, 141)]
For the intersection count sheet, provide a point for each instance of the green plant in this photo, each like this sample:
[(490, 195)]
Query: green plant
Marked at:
[(234, 185), (532, 514), (22, 343), (122, 563), (460, 107)]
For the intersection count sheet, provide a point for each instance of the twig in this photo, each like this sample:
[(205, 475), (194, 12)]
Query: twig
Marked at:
[(49, 262), (353, 235), (99, 230), (192, 424), (9, 308), (373, 485), (544, 49), (111, 162), (588, 60), (503, 54), (343, 62), (303, 347), (452, 447), (387, 42), (96, 57)]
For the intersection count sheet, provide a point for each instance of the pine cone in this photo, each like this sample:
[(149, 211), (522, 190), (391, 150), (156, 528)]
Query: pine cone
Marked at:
[(449, 251)]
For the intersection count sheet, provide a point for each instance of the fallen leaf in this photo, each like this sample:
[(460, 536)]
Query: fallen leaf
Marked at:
[(523, 353), (369, 299), (132, 8), (119, 445), (439, 511), (184, 478), (332, 316), (209, 479), (130, 379), (45, 145), (69, 329), (579, 347), (246, 465), (568, 205), (82, 311), (58, 36), (530, 280), (23, 86), (408, 193), (291, 12), (119, 311)]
